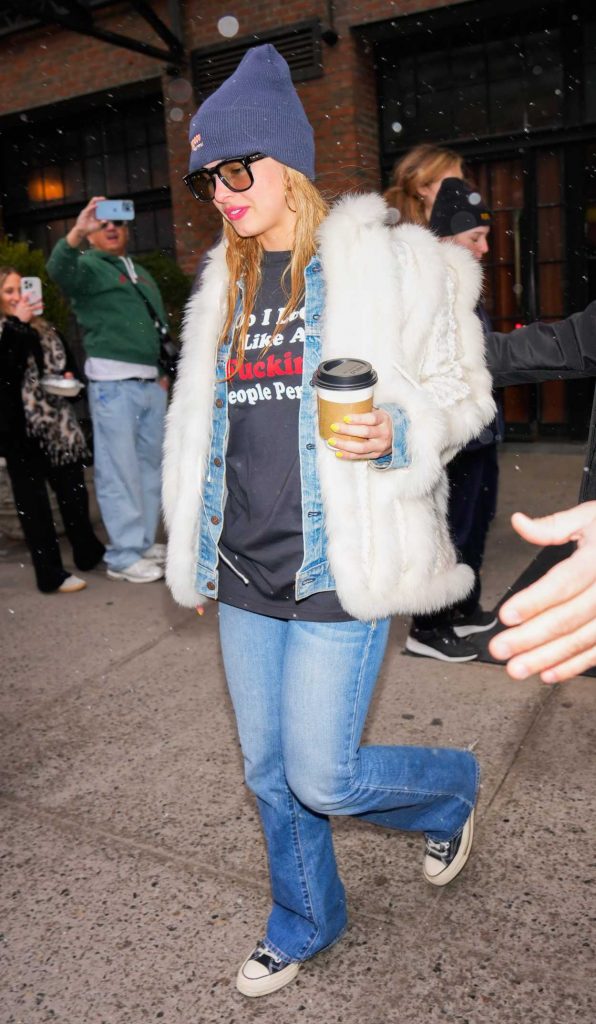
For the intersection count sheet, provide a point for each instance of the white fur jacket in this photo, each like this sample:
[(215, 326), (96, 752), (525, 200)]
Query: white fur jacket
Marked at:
[(404, 301)]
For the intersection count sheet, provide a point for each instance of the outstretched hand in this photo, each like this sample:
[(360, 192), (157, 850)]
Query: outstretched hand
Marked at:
[(553, 621)]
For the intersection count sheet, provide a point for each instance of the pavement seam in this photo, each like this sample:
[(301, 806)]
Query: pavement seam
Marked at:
[(241, 881), (538, 712), (94, 677), (72, 825)]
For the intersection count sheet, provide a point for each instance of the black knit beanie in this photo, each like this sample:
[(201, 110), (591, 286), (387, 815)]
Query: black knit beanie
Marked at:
[(458, 207)]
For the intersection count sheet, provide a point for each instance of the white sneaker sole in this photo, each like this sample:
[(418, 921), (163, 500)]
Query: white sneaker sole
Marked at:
[(114, 575), (253, 987), (74, 588), (458, 863), (424, 651), (463, 631)]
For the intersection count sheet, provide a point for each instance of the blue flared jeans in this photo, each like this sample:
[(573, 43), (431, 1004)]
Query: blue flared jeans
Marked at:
[(301, 692)]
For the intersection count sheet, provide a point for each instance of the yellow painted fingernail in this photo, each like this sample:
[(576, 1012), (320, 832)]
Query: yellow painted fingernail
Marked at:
[(331, 441), (335, 426), (339, 455), (347, 419)]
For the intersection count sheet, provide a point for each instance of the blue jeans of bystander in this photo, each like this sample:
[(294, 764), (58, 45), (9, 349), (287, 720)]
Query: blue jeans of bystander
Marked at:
[(128, 424)]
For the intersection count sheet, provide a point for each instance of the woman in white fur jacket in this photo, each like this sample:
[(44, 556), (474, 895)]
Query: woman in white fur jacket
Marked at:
[(310, 546)]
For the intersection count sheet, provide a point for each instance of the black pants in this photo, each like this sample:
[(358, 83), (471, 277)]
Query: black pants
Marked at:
[(30, 471), (473, 484)]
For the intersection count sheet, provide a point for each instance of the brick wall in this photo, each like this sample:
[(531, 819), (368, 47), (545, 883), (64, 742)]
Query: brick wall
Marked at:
[(51, 65)]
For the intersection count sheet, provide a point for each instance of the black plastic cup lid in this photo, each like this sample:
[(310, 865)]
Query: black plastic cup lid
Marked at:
[(344, 374)]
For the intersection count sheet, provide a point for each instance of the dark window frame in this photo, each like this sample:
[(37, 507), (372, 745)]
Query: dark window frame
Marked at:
[(75, 116)]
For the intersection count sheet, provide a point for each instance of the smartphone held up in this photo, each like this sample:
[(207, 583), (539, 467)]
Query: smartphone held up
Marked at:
[(115, 210), (31, 289)]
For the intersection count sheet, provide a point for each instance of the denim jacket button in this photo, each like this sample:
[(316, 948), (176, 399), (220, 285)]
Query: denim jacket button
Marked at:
[(217, 461), (215, 520), (211, 586), (219, 403)]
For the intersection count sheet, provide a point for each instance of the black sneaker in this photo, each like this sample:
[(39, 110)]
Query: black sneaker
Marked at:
[(264, 972), (442, 644), (443, 861), (478, 622)]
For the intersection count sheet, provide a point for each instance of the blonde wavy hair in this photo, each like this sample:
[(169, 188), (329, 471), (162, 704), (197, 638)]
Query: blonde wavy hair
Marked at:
[(420, 167), (244, 255), (4, 273), (37, 322)]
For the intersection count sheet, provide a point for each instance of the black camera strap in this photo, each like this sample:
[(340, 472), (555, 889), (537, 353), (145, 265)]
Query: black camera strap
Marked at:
[(169, 352)]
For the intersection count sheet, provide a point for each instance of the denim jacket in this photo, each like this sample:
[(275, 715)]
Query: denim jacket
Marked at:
[(314, 574)]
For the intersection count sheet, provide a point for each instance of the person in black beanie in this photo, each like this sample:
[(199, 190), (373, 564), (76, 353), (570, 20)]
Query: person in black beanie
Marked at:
[(460, 215)]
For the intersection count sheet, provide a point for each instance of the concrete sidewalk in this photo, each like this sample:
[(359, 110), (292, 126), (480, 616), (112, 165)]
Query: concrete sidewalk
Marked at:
[(133, 873)]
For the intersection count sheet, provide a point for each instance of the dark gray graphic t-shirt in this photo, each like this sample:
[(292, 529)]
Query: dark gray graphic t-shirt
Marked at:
[(262, 533)]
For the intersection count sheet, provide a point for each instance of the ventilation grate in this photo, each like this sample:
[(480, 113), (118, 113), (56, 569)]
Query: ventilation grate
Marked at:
[(300, 44)]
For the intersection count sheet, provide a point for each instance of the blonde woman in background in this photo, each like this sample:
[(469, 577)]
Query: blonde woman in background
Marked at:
[(41, 440), (416, 179)]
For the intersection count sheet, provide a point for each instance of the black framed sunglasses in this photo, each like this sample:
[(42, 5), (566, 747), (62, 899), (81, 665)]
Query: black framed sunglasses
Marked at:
[(234, 173), (114, 223)]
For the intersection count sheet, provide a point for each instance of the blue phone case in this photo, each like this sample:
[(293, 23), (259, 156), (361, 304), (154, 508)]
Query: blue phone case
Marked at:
[(115, 209)]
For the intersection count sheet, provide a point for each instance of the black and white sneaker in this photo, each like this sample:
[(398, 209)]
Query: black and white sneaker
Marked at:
[(442, 644), (443, 861), (478, 622), (264, 972)]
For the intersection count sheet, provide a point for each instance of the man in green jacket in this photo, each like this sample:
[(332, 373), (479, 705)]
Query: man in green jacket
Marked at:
[(111, 297)]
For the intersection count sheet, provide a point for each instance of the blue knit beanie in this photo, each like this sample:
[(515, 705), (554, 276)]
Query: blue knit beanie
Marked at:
[(256, 110)]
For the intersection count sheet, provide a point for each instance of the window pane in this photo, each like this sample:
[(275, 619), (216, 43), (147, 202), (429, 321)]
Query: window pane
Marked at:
[(136, 134), (505, 59), (550, 233), (467, 64), (116, 182), (73, 181), (138, 170), (432, 111), (590, 93), (433, 72), (113, 137), (507, 108), (469, 110), (94, 177), (92, 142), (545, 98)]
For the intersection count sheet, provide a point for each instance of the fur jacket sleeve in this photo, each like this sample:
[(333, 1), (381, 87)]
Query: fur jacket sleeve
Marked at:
[(409, 309)]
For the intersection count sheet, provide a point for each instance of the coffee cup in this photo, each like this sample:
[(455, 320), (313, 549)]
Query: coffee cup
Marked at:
[(344, 386)]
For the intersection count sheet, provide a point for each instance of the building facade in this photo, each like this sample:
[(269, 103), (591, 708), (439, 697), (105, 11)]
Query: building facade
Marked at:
[(511, 85)]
